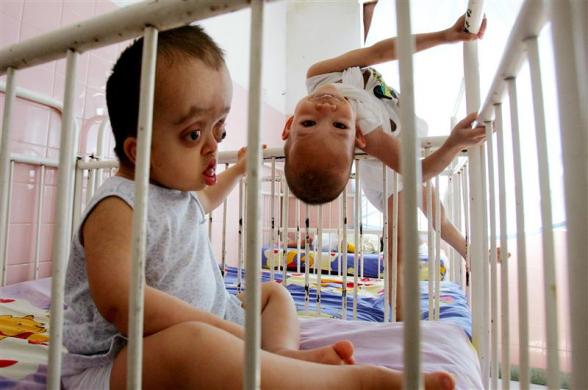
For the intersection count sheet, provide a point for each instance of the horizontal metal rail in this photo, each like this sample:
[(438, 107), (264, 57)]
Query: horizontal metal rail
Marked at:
[(35, 97), (531, 19), (113, 27)]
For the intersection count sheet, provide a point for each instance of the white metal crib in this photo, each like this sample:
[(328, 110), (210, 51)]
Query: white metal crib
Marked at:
[(475, 187)]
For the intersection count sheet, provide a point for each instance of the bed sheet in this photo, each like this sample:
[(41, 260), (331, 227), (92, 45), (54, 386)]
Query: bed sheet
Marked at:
[(332, 261), (453, 305), (24, 322)]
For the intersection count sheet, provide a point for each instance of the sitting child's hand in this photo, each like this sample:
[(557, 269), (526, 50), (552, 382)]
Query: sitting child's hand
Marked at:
[(456, 32), (241, 164), (464, 136)]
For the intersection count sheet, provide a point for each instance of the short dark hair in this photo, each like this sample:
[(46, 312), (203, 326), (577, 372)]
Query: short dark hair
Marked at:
[(124, 84), (316, 185)]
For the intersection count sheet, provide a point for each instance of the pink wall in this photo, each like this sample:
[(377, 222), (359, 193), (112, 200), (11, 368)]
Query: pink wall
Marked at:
[(35, 128)]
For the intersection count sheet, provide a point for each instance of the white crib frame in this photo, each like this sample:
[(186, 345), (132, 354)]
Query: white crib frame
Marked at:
[(148, 18)]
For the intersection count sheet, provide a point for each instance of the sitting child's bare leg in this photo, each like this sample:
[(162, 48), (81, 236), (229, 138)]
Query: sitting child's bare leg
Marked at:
[(197, 355), (280, 331)]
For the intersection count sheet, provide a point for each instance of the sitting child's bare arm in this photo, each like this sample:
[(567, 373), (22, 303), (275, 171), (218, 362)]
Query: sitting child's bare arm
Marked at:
[(107, 243)]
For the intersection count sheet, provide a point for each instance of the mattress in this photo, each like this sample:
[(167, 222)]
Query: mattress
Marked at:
[(25, 336)]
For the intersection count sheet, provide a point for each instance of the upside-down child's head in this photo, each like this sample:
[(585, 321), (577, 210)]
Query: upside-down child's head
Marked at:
[(193, 93), (320, 140)]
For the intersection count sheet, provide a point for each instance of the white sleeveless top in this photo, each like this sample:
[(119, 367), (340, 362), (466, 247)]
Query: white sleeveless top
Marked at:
[(179, 261)]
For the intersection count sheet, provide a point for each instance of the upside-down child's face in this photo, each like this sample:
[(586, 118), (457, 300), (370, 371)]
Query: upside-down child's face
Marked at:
[(192, 101), (323, 126)]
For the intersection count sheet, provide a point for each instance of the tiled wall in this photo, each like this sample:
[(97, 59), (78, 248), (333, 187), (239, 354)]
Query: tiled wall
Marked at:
[(35, 129)]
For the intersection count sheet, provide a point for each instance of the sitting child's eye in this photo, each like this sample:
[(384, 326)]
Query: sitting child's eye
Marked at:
[(340, 125), (308, 123), (194, 135)]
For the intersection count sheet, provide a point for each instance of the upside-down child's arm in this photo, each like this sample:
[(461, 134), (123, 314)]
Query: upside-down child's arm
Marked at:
[(107, 245), (387, 148), (386, 50)]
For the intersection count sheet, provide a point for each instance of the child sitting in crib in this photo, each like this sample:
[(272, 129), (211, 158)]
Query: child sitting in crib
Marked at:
[(193, 334), (349, 105)]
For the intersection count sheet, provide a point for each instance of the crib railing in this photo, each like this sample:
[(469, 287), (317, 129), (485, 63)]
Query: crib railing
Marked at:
[(148, 18)]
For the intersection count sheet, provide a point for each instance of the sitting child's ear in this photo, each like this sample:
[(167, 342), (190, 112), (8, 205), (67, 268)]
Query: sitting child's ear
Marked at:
[(130, 148), (286, 131), (359, 138)]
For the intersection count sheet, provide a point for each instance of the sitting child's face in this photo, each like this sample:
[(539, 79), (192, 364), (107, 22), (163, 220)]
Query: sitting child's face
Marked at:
[(320, 139), (192, 101)]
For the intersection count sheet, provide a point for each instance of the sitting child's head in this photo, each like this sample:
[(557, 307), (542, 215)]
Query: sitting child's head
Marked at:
[(193, 93), (320, 141)]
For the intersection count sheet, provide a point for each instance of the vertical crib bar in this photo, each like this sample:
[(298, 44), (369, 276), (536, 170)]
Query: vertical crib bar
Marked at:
[(437, 248), (386, 245), (9, 189), (62, 222), (493, 275), (224, 236), (339, 239), (319, 258), (4, 169), (241, 237), (451, 213), (306, 258), (144, 131), (484, 269), (504, 283), (466, 208), (39, 221), (91, 180), (549, 272), (253, 300), (457, 213), (345, 254), (298, 236), (286, 205), (78, 186), (521, 240), (271, 263), (477, 256), (574, 145), (410, 179), (394, 244), (430, 246), (358, 245)]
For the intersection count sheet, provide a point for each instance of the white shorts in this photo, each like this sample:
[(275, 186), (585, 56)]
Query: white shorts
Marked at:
[(371, 179), (94, 378)]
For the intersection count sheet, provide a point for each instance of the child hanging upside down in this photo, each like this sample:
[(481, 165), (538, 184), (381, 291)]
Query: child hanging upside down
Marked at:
[(349, 105)]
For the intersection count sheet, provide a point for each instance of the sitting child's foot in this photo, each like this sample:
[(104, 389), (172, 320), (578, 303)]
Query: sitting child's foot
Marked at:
[(380, 377), (339, 353)]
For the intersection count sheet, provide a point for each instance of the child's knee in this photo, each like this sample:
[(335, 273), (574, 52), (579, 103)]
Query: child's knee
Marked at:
[(275, 290)]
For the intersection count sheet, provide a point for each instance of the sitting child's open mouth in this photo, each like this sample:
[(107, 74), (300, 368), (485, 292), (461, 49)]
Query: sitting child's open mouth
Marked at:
[(210, 173)]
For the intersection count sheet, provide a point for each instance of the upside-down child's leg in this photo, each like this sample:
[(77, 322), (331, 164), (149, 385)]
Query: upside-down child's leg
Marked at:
[(196, 355), (449, 232), (280, 330)]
